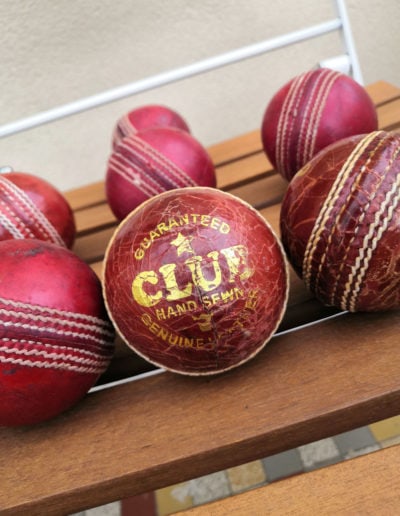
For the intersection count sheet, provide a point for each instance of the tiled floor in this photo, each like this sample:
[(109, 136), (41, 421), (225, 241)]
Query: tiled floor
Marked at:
[(241, 478)]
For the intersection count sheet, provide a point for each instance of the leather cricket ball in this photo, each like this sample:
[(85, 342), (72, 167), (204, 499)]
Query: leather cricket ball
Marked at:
[(311, 111), (144, 117), (55, 336), (151, 162), (340, 223), (30, 207), (195, 281)]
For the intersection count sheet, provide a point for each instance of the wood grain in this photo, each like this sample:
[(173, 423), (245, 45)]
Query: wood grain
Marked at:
[(136, 437), (156, 430), (364, 485)]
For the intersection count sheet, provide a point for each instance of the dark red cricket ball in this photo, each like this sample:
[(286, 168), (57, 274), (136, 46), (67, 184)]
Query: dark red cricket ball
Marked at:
[(30, 207), (145, 117), (311, 111), (55, 336), (340, 223), (151, 162), (195, 281)]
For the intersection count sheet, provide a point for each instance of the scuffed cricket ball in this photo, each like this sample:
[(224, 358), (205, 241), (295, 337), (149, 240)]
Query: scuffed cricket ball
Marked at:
[(145, 117), (195, 281), (311, 111), (340, 223), (55, 336), (151, 162), (30, 207)]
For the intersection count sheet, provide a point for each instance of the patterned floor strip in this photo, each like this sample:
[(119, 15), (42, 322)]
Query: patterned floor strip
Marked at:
[(235, 480)]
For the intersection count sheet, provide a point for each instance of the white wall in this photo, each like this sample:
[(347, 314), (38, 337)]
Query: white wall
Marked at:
[(55, 51)]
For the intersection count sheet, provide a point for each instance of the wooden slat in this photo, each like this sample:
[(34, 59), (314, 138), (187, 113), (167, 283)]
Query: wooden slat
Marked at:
[(243, 170), (155, 431), (94, 218), (84, 196), (364, 485), (238, 146), (389, 115), (243, 146), (143, 435), (91, 247), (382, 92)]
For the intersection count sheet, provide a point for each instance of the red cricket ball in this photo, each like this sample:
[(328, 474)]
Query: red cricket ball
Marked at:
[(340, 223), (30, 207), (311, 111), (195, 281), (151, 162), (144, 117), (55, 336)]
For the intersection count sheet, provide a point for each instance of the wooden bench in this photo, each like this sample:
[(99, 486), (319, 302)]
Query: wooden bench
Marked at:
[(155, 429)]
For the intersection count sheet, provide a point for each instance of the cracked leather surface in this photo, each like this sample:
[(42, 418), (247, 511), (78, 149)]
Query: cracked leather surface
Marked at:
[(195, 281), (340, 223)]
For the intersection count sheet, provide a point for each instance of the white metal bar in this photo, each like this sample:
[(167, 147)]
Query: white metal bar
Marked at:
[(158, 371), (349, 41), (174, 75)]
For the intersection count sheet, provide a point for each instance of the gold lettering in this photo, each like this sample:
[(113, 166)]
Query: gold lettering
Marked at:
[(215, 298), (173, 224), (138, 292), (224, 228), (146, 319), (215, 223), (227, 295), (174, 339), (188, 343), (162, 228), (163, 333), (194, 264), (251, 302), (205, 220), (146, 243), (153, 235), (160, 313), (174, 293), (236, 258), (139, 254), (184, 219), (170, 312), (206, 302)]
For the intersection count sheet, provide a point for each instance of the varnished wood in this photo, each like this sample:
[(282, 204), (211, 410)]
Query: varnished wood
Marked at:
[(158, 430), (364, 485), (306, 385)]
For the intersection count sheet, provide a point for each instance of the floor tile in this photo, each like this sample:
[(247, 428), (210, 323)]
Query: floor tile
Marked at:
[(210, 487), (363, 451), (319, 454), (173, 499), (354, 440), (111, 509), (393, 441), (283, 465), (140, 505), (386, 429), (246, 476)]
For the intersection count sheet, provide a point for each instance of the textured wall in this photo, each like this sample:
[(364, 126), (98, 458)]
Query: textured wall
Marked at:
[(56, 52)]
